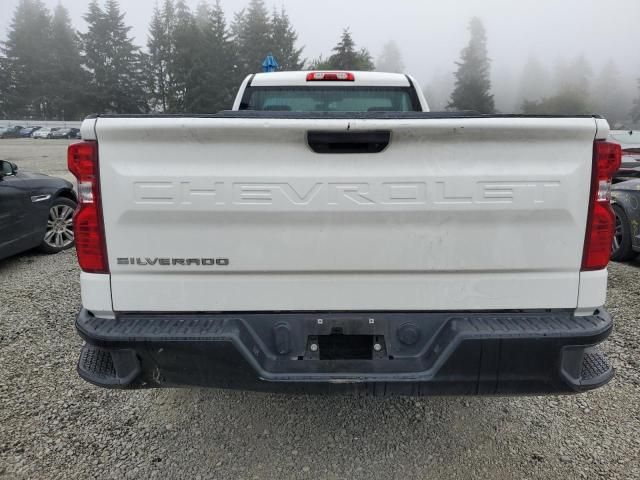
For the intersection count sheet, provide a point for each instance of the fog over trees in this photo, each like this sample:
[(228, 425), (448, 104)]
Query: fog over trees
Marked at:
[(195, 55), (390, 60)]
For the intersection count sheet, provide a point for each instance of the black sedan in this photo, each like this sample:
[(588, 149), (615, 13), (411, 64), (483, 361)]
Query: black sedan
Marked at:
[(65, 133), (35, 211), (626, 205)]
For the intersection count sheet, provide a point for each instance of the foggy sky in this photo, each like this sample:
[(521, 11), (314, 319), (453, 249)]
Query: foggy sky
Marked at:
[(431, 33)]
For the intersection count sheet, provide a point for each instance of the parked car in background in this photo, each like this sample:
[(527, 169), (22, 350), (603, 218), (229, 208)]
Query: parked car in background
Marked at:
[(43, 133), (11, 132), (66, 133), (625, 197), (28, 131), (35, 211), (629, 140)]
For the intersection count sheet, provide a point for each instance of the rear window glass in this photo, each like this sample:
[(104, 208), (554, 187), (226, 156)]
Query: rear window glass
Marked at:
[(329, 99)]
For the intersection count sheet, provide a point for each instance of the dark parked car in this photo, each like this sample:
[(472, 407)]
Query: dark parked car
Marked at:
[(629, 140), (35, 211), (10, 132), (626, 205), (28, 131), (65, 133)]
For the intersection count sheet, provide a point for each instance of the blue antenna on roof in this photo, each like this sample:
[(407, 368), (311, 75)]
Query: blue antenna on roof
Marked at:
[(270, 64)]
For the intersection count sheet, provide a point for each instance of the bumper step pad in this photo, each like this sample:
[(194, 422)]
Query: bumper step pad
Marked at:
[(595, 368), (97, 363), (108, 367)]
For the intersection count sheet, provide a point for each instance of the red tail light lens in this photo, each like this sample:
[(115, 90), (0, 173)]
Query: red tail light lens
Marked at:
[(331, 77), (601, 221), (82, 161)]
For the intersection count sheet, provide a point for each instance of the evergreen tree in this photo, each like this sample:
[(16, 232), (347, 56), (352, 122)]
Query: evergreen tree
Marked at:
[(535, 82), (203, 11), (252, 34), (221, 78), (574, 76), (572, 91), (5, 88), (564, 103), (390, 60), (438, 90), (473, 83), (27, 66), (160, 45), (320, 63), (68, 79), (187, 64), (115, 65), (610, 98), (346, 57), (506, 98), (283, 42), (156, 41), (192, 58)]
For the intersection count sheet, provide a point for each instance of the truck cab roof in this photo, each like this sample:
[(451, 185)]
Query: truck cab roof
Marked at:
[(365, 79), (349, 79)]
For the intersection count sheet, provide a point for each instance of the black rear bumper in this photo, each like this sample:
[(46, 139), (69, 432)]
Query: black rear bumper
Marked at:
[(413, 353)]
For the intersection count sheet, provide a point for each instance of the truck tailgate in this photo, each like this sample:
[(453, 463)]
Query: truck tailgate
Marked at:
[(240, 214)]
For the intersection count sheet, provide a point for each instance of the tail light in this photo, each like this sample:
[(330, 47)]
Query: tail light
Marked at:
[(82, 160), (601, 220), (331, 77)]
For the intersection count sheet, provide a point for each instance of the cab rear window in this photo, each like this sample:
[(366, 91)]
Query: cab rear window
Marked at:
[(330, 99)]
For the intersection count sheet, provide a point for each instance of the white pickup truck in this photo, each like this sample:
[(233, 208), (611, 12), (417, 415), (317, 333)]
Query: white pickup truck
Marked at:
[(331, 234)]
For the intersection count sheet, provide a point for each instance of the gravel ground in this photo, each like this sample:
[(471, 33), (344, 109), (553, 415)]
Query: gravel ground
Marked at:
[(53, 425), (43, 156)]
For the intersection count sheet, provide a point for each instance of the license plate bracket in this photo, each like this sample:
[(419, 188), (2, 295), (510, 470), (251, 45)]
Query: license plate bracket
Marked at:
[(338, 346)]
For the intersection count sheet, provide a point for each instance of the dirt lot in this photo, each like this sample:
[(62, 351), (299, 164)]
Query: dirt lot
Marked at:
[(42, 156), (53, 425)]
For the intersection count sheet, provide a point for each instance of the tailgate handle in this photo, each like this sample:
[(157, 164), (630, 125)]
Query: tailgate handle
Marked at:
[(374, 141)]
